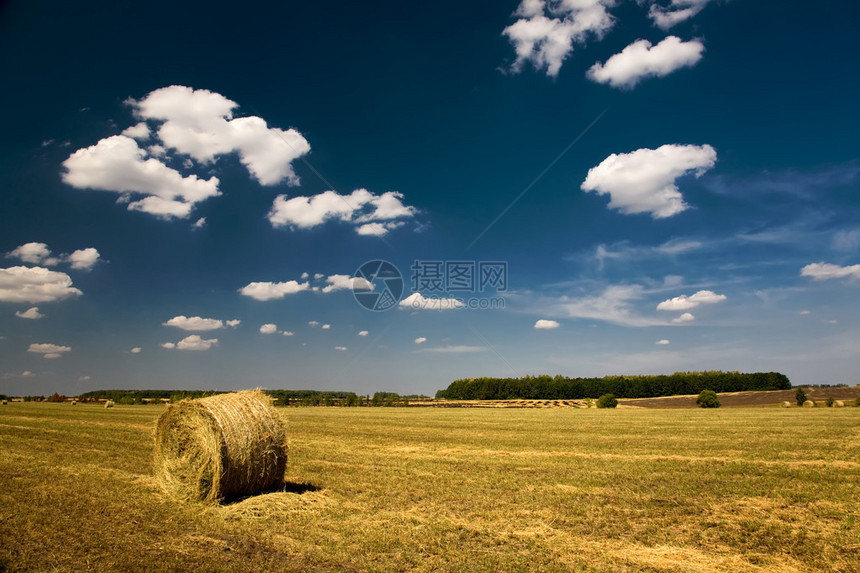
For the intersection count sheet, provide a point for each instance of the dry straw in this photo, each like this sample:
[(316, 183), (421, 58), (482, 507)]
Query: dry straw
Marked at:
[(786, 404), (809, 404), (221, 446), (838, 404), (109, 404)]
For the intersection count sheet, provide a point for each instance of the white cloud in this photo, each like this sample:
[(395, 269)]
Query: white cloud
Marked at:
[(31, 313), (288, 333), (317, 276), (139, 131), (546, 31), (420, 340), (363, 333), (826, 271), (34, 285), (233, 323), (117, 164), (49, 350), (416, 301), (136, 350), (663, 342), (625, 251), (325, 326), (643, 181), (640, 60), (685, 302), (677, 11), (194, 323), (544, 324), (83, 259), (199, 223), (35, 253), (846, 240), (194, 342), (346, 282), (200, 123), (269, 328), (271, 291), (313, 323), (614, 304), (340, 348), (168, 345), (371, 214), (685, 317)]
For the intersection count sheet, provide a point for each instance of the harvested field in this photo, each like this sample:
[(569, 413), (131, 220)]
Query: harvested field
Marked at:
[(424, 489), (747, 399)]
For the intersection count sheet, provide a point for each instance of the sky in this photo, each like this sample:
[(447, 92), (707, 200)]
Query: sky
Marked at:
[(395, 195)]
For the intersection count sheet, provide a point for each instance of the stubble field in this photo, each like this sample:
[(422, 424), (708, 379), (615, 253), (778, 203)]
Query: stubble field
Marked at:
[(383, 489)]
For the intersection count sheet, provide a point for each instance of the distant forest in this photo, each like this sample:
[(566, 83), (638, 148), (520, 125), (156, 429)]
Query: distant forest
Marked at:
[(281, 397), (559, 387)]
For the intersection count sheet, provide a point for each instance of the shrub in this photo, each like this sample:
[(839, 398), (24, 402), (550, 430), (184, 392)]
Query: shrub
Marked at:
[(800, 396), (708, 399), (857, 401), (607, 401), (830, 400)]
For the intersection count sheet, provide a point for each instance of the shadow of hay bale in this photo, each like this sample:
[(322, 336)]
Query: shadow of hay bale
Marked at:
[(221, 447)]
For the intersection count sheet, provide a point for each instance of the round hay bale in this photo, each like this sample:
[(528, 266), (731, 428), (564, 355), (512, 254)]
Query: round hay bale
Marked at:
[(221, 446), (838, 404), (785, 404), (74, 402), (5, 402), (809, 404), (109, 404)]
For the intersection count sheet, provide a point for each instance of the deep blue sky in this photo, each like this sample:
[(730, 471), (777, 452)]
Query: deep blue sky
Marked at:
[(751, 114)]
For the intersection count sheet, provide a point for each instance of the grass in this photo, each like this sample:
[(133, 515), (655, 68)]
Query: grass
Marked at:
[(382, 489)]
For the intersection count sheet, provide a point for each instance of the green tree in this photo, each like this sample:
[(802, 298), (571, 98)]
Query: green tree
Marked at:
[(800, 396), (708, 399), (607, 401), (830, 400)]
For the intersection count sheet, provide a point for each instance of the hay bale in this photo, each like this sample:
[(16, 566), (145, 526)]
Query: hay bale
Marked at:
[(809, 404), (838, 404), (785, 404), (74, 402), (221, 446), (109, 404), (5, 402)]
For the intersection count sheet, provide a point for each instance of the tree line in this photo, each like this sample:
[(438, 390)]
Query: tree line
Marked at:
[(545, 387)]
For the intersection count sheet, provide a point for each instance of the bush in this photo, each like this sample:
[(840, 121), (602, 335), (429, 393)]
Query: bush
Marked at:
[(857, 401), (607, 401), (830, 400), (708, 399), (800, 396)]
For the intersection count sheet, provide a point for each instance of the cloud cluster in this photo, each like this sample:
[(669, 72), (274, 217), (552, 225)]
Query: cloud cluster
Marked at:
[(192, 342), (196, 124), (264, 291), (685, 302), (676, 11), (545, 33), (40, 254), (544, 324), (35, 285), (198, 324), (417, 301), (49, 350), (827, 271), (371, 214), (641, 60), (643, 181)]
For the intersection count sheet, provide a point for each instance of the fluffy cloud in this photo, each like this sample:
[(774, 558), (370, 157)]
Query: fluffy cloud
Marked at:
[(194, 342), (49, 350), (545, 33), (200, 123), (363, 333), (544, 324), (35, 253), (35, 285), (370, 213), (136, 350), (233, 323), (825, 271), (340, 348), (346, 282), (83, 259), (420, 340), (418, 302), (325, 326), (643, 181), (271, 291), (269, 328), (196, 123), (677, 11), (685, 302), (198, 324), (662, 342), (640, 60), (117, 164), (288, 333), (31, 313), (685, 317), (613, 305)]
